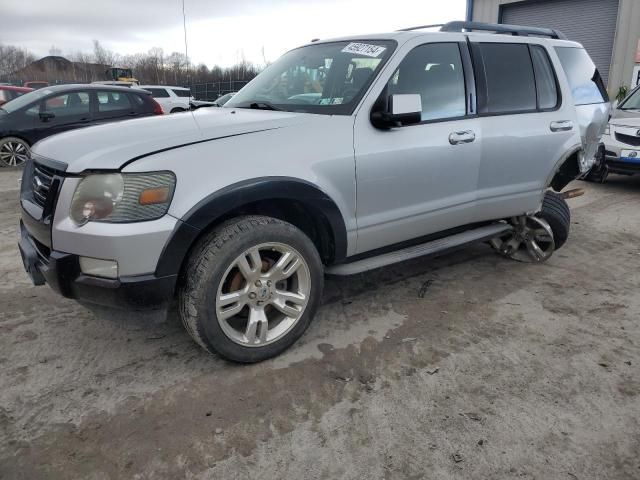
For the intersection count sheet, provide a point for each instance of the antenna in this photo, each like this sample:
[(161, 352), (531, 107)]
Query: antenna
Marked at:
[(186, 49)]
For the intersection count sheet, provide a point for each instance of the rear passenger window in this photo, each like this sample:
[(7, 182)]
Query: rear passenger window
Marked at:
[(112, 101), (546, 85), (509, 74), (158, 92), (584, 79), (435, 72)]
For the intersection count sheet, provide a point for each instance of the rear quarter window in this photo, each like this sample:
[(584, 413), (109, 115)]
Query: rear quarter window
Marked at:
[(158, 92), (182, 93), (583, 76), (137, 101)]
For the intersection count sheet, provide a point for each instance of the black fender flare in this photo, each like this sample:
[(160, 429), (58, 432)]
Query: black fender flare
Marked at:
[(213, 207)]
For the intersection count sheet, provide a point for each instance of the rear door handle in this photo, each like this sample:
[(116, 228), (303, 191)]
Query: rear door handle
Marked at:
[(464, 136), (561, 126)]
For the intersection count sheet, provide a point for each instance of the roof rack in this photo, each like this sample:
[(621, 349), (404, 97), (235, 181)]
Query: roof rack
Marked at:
[(517, 30), (420, 27)]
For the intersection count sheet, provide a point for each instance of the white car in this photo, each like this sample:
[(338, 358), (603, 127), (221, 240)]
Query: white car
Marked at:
[(418, 143), (171, 99)]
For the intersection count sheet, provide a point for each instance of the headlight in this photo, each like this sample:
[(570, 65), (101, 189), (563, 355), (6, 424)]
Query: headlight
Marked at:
[(122, 197)]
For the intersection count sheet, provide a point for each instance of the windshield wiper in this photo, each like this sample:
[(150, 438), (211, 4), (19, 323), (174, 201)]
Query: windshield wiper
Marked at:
[(264, 106)]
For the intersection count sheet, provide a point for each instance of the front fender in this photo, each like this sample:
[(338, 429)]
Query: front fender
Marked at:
[(215, 206)]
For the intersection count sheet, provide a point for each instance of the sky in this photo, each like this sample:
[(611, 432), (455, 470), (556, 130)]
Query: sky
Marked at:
[(219, 32)]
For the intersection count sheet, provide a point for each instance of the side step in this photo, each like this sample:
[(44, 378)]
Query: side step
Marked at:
[(435, 246)]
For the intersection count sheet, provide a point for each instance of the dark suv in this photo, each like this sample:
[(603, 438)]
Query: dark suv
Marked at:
[(41, 113)]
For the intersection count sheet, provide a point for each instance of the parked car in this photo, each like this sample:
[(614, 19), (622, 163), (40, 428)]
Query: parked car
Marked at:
[(621, 149), (8, 93), (223, 99), (35, 84), (172, 99), (48, 111), (238, 212), (196, 104)]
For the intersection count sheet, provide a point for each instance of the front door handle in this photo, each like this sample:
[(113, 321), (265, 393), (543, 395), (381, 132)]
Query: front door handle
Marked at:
[(464, 136), (561, 126)]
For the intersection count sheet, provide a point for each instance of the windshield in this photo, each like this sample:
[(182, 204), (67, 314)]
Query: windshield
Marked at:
[(327, 78), (632, 102), (26, 99)]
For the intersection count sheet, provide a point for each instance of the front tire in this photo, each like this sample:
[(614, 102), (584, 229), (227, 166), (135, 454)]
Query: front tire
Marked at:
[(14, 152), (251, 288)]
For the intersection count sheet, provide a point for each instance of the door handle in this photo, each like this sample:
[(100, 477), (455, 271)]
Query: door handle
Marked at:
[(561, 126), (464, 136)]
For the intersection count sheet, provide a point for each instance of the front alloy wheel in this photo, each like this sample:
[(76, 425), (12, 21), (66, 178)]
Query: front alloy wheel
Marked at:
[(13, 152), (251, 288), (263, 294)]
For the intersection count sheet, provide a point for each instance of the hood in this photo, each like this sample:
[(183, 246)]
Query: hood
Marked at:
[(111, 145), (630, 118)]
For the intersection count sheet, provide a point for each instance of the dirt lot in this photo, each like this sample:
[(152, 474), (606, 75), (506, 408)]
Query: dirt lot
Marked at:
[(466, 366)]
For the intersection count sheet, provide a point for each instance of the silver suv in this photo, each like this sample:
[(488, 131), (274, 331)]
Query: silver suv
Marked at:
[(343, 156)]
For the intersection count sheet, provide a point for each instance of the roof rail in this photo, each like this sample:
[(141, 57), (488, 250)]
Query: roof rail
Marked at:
[(420, 27), (518, 30)]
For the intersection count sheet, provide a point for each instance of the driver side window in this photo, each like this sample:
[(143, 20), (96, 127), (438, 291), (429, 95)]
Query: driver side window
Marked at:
[(434, 71)]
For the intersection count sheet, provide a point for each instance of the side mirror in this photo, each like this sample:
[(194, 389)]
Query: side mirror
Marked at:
[(46, 116), (403, 109)]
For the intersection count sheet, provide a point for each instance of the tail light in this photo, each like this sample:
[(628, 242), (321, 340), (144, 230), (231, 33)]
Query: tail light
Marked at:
[(157, 108)]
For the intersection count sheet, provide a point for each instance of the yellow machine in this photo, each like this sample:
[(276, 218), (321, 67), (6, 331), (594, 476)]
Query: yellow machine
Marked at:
[(118, 74)]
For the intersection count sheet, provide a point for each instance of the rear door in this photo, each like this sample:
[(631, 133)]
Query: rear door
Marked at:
[(110, 105), (419, 179), (526, 124)]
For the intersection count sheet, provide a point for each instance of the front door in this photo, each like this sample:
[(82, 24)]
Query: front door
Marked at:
[(60, 113), (420, 179)]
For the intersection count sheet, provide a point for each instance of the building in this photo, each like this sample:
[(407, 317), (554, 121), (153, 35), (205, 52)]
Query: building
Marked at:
[(55, 69), (608, 29)]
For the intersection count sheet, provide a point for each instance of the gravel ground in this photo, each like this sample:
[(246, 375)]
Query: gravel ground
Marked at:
[(465, 366)]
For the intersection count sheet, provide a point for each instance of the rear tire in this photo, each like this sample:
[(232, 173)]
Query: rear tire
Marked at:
[(556, 212), (242, 297), (177, 110)]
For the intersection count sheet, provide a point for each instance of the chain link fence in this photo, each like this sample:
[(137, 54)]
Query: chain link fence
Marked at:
[(211, 91)]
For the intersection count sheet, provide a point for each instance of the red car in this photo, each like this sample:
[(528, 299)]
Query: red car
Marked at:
[(9, 93), (35, 84)]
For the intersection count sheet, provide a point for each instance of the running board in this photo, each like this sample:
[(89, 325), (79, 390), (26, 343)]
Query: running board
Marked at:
[(435, 246)]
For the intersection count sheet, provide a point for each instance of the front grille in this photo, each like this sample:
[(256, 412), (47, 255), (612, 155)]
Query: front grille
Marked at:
[(628, 139), (41, 183)]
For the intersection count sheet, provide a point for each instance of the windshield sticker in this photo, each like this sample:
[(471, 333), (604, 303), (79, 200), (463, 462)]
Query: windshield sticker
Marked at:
[(324, 101), (365, 49), (336, 101)]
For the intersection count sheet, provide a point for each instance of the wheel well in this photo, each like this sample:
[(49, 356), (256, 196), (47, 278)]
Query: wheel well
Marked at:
[(307, 218), (177, 109), (18, 137), (567, 172), (291, 200)]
